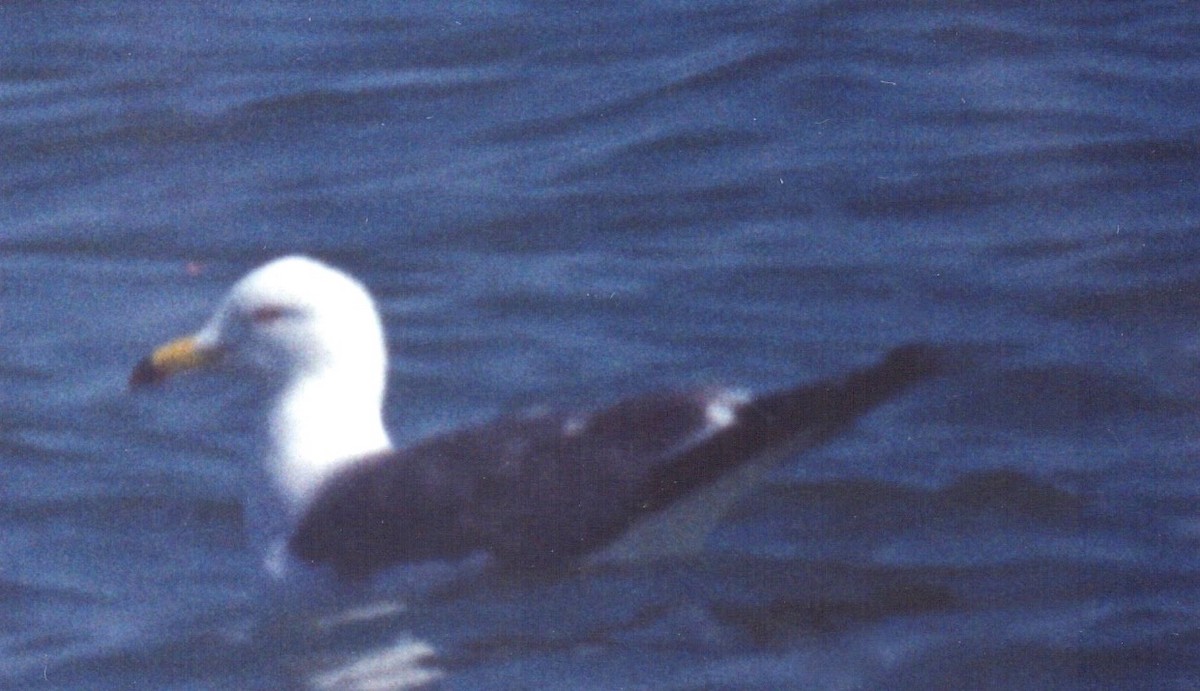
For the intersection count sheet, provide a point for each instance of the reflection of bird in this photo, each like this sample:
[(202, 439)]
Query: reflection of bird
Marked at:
[(649, 476)]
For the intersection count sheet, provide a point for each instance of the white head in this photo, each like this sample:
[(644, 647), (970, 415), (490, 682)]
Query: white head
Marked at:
[(310, 336), (296, 317)]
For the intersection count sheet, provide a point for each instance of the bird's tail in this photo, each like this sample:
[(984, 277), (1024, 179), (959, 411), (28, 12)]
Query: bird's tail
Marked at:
[(770, 427), (686, 498), (828, 405)]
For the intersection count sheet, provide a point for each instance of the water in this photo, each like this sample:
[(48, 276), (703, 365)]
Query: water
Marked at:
[(559, 204)]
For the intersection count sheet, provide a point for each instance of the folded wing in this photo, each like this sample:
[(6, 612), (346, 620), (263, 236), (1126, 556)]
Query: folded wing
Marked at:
[(647, 476)]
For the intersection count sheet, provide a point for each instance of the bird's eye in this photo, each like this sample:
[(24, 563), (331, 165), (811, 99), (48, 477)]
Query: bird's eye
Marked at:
[(268, 314)]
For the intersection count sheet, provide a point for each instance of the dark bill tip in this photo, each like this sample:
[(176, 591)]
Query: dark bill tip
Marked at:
[(145, 374)]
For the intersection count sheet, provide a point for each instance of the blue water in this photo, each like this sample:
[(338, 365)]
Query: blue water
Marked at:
[(564, 203)]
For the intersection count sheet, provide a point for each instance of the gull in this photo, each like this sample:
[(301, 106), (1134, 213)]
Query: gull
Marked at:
[(648, 477)]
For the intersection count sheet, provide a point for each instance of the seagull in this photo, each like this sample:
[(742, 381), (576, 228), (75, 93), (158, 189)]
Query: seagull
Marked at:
[(648, 477)]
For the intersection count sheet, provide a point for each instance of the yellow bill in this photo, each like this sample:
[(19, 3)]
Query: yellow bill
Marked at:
[(177, 356)]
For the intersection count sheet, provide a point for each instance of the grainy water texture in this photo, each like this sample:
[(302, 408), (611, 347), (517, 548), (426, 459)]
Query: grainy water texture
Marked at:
[(566, 202)]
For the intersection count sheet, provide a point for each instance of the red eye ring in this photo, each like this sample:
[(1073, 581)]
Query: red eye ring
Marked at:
[(268, 314)]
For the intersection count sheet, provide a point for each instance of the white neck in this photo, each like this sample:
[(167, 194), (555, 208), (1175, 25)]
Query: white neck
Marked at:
[(319, 423)]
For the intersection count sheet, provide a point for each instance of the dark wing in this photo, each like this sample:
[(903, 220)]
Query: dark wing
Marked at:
[(541, 490)]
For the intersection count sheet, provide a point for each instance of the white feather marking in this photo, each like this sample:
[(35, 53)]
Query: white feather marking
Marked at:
[(575, 425), (722, 409)]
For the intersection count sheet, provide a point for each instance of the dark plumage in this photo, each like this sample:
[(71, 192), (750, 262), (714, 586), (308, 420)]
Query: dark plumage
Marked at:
[(542, 491), (647, 477)]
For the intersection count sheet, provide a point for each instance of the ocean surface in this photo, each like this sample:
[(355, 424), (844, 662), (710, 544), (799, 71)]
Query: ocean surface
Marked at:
[(556, 203)]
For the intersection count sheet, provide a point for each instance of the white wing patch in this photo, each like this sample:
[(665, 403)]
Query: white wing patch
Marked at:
[(575, 425), (722, 409)]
